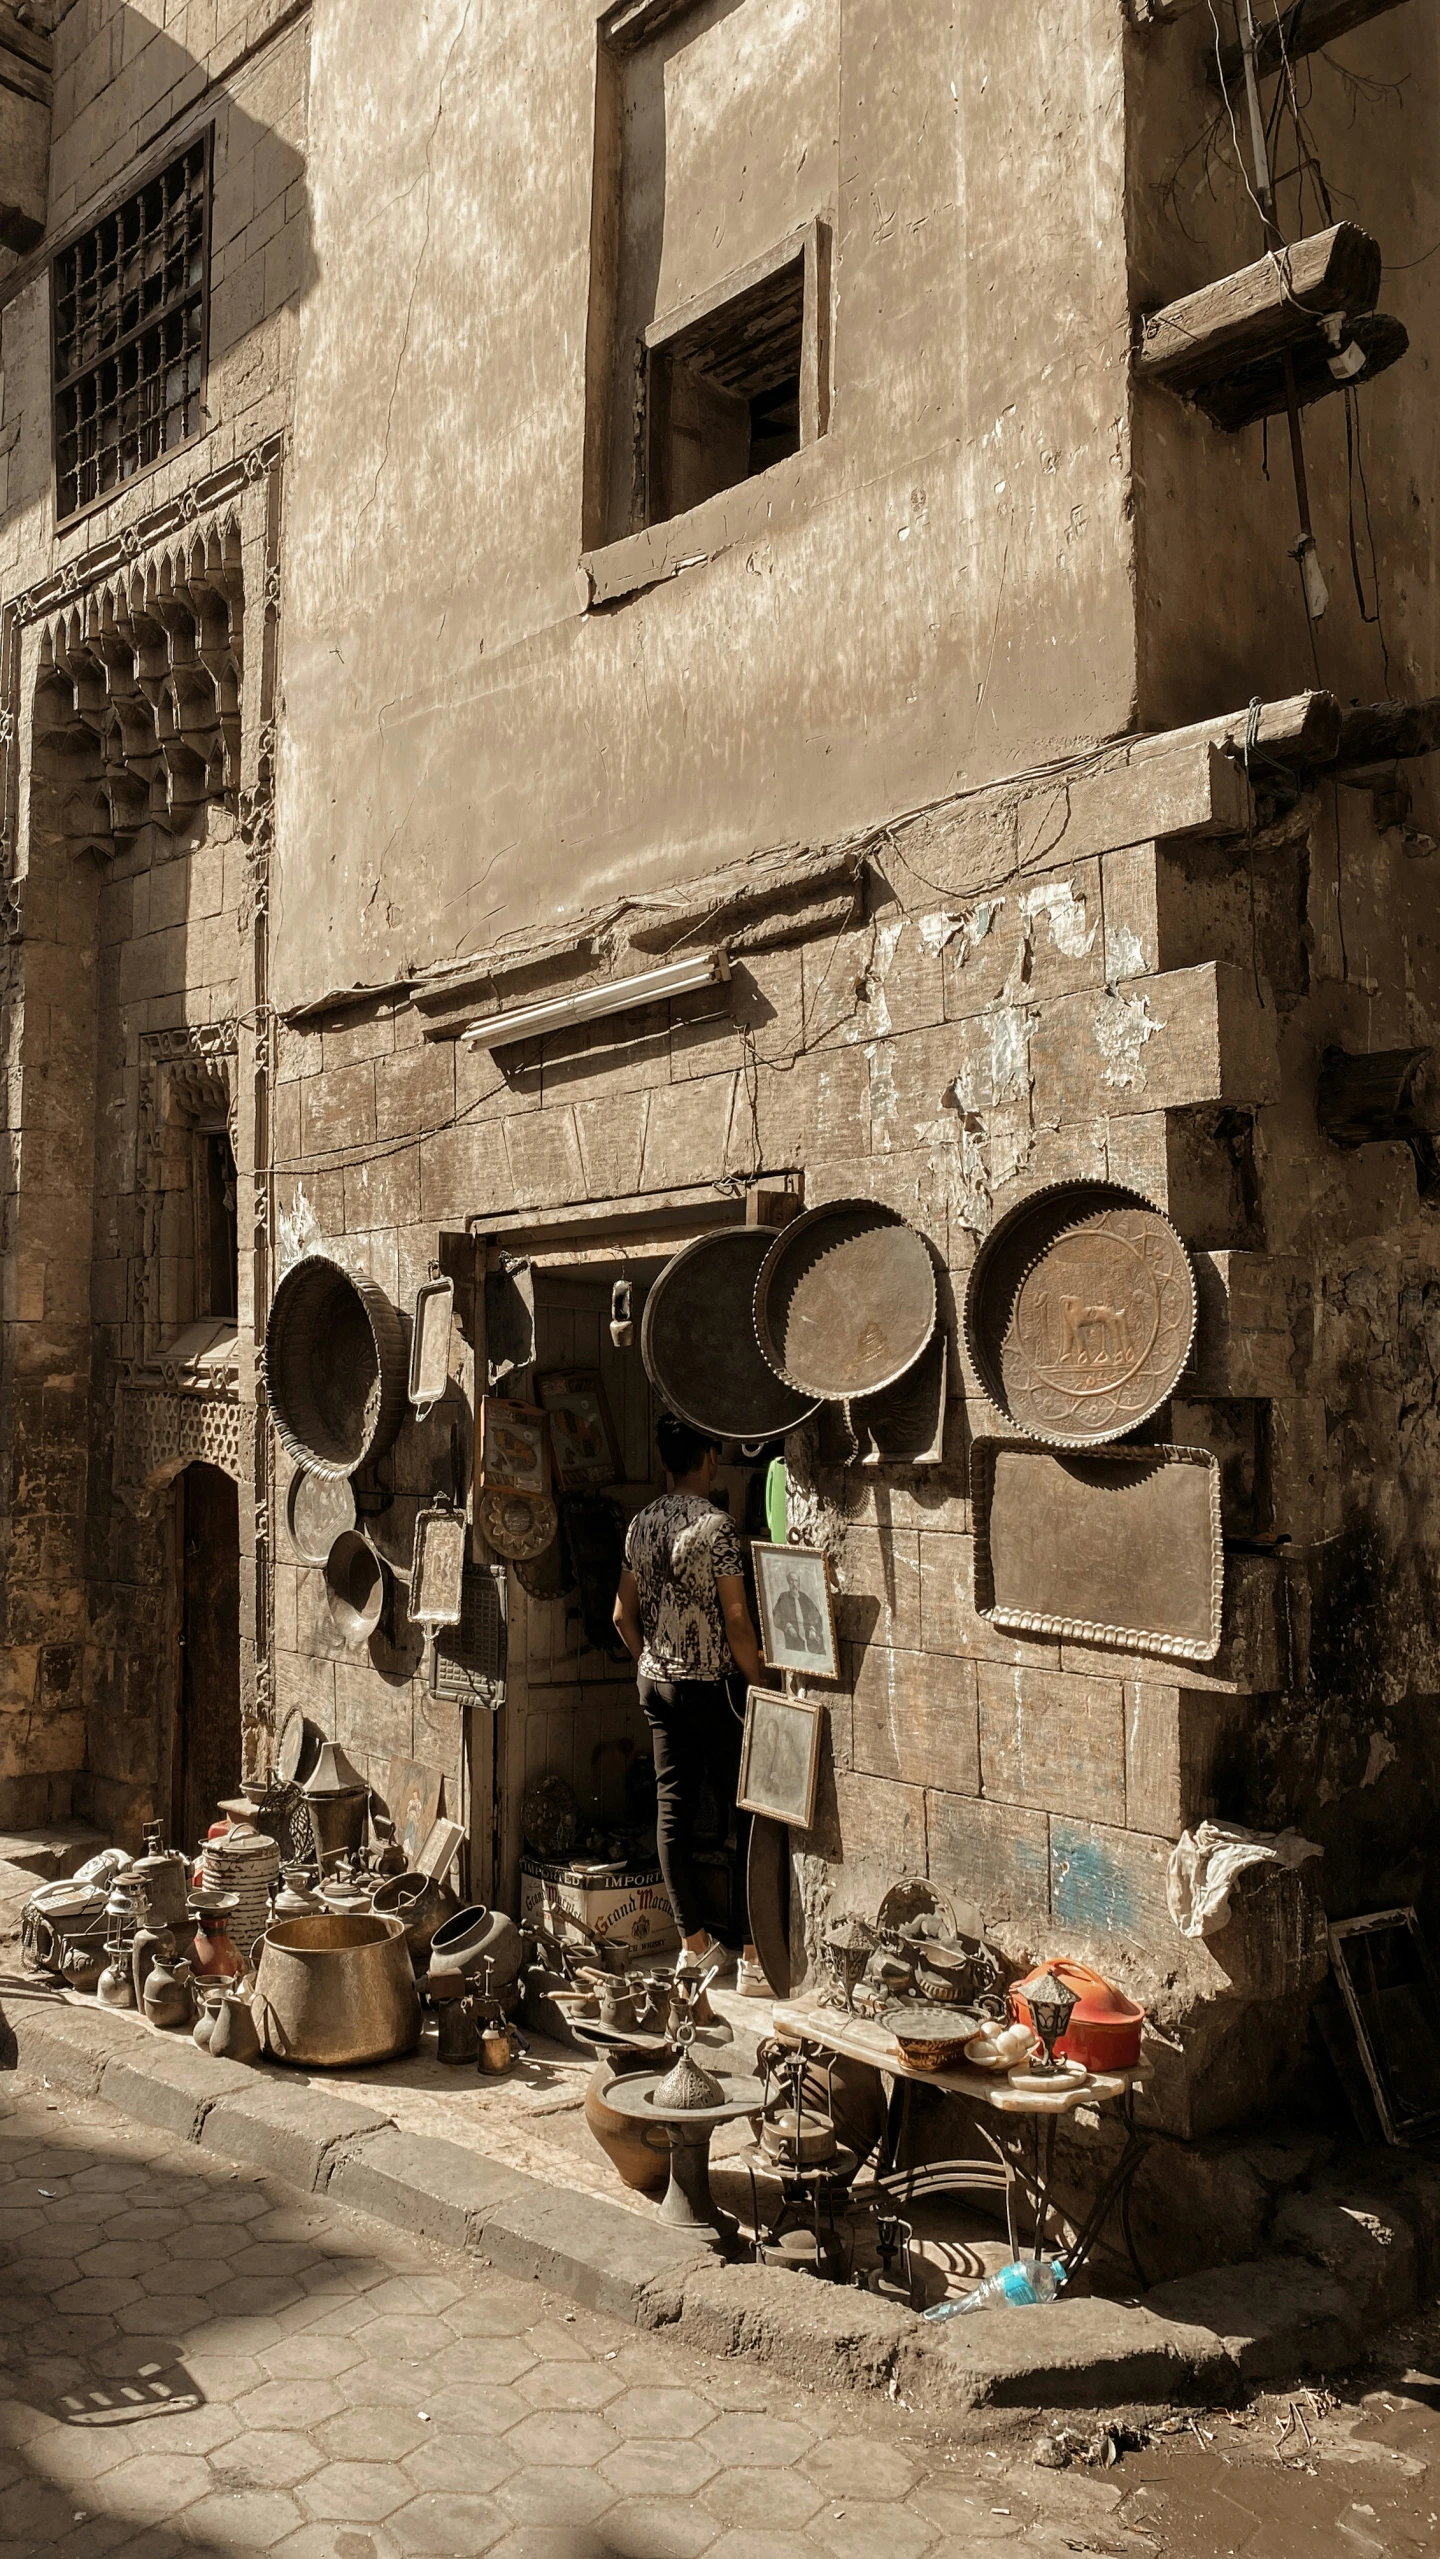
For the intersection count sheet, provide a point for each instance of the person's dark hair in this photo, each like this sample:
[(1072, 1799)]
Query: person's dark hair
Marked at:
[(681, 1446)]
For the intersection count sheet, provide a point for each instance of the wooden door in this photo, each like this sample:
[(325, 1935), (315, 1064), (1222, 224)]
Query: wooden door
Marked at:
[(206, 1760)]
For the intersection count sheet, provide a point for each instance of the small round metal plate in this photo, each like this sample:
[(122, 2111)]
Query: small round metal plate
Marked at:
[(697, 1340), (1080, 1313), (517, 1525), (846, 1300), (318, 1509)]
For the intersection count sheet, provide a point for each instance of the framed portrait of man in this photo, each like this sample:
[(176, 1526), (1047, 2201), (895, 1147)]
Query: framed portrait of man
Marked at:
[(780, 1756), (797, 1613)]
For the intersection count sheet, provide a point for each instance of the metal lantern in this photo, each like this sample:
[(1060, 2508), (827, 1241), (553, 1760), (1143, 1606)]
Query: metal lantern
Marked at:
[(1051, 2003)]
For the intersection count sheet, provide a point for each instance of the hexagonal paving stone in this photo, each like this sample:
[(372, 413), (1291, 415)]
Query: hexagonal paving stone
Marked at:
[(555, 2495), (115, 2257), (471, 2465), (659, 2528), (562, 2440), (965, 2519), (257, 2296), (568, 2385), (559, 2341), (355, 2491), (761, 2500), (94, 2297), (453, 2404), (483, 2361), (277, 2403), (483, 2314), (642, 2466), (449, 2527), (153, 2486), (399, 2385), (265, 2457), (762, 2545), (272, 2256), (668, 2412), (757, 2443), (413, 2334), (305, 2358), (371, 2434), (878, 2530), (856, 2466), (241, 2519)]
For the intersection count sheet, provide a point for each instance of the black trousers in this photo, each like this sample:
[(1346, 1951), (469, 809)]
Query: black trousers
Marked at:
[(695, 1733)]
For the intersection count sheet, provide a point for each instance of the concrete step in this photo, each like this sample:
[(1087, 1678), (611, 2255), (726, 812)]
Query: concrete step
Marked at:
[(51, 1852)]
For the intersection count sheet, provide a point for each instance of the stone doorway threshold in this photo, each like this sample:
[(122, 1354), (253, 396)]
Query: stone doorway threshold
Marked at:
[(489, 2181)]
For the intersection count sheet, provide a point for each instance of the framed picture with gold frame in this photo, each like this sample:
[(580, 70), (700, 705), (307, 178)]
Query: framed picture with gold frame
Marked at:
[(780, 1756), (797, 1612)]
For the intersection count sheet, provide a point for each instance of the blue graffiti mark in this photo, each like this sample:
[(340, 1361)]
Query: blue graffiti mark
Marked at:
[(1089, 1887)]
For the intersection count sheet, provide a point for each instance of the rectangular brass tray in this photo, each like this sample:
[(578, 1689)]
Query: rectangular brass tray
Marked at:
[(1115, 1546)]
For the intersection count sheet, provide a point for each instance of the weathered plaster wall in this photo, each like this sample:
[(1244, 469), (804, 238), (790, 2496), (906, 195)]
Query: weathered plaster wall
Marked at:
[(1219, 597), (117, 952), (937, 590)]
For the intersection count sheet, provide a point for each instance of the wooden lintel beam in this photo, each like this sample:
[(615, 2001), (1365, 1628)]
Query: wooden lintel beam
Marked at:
[(1302, 729), (1306, 27), (1198, 340), (1379, 732)]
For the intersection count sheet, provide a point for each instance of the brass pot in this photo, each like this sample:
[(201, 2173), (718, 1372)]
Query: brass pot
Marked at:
[(424, 1906), (336, 1990)]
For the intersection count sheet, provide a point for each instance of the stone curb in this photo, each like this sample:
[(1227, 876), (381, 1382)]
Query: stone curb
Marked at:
[(1201, 2340)]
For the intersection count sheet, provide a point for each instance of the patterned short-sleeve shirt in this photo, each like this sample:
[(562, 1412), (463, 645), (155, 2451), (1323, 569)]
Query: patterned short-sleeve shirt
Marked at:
[(677, 1549)]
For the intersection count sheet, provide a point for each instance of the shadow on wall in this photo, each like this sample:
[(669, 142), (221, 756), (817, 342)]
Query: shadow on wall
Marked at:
[(261, 245)]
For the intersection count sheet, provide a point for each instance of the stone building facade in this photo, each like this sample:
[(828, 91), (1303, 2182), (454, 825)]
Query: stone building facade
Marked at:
[(457, 661)]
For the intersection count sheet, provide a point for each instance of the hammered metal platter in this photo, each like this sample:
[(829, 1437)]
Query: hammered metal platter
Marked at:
[(698, 1345), (1115, 1546), (436, 1566), (1080, 1313), (846, 1300), (318, 1509)]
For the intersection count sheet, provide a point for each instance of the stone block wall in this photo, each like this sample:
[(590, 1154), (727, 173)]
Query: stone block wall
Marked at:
[(136, 950)]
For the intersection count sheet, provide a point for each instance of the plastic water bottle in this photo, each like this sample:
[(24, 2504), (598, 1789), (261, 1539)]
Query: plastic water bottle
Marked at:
[(1018, 2287)]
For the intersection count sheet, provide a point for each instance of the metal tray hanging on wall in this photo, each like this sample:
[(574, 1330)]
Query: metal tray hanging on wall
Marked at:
[(697, 1340), (437, 1566), (904, 1425), (1080, 1313), (1112, 1546), (335, 1366), (845, 1300), (471, 1659), (430, 1344)]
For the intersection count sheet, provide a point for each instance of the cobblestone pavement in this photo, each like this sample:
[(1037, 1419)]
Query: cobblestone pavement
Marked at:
[(196, 2359)]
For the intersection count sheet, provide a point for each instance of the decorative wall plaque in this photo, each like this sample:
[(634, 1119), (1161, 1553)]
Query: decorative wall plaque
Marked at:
[(1116, 1546), (1080, 1313)]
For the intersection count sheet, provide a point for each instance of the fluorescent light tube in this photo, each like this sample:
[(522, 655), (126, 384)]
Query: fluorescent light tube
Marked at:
[(619, 995)]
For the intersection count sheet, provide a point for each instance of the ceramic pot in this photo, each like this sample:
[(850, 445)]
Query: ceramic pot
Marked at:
[(214, 1956), (235, 2036), (424, 1905), (464, 1942), (208, 2018), (336, 1990), (638, 2153), (167, 1991)]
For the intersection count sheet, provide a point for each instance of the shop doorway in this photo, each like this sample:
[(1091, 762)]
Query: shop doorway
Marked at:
[(206, 1754)]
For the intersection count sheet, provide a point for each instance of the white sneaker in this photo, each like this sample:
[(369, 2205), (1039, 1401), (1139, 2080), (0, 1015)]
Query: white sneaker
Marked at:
[(750, 1979), (712, 1960)]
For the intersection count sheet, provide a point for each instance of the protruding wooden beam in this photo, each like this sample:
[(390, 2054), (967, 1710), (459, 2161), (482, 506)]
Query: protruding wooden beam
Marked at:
[(1379, 732), (1195, 343), (1302, 729), (1306, 27)]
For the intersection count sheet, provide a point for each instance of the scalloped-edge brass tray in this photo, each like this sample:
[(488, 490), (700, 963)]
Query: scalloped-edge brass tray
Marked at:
[(1113, 1546)]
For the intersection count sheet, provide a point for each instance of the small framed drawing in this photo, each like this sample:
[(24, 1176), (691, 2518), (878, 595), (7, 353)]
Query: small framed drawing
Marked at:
[(513, 1454), (780, 1756), (582, 1437), (797, 1615)]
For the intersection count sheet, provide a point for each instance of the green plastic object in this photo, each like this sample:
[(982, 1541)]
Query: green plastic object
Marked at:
[(777, 1504)]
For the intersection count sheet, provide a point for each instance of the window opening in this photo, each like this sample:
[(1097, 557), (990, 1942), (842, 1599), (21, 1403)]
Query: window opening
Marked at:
[(217, 1239), (129, 301), (723, 392)]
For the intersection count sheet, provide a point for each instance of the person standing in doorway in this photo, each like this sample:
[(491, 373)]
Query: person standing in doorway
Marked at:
[(681, 1610)]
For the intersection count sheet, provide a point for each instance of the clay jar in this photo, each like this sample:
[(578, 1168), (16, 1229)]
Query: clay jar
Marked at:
[(209, 2017), (234, 2035), (214, 1956), (639, 2153)]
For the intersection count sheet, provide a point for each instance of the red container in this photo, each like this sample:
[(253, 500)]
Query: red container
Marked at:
[(1104, 2028)]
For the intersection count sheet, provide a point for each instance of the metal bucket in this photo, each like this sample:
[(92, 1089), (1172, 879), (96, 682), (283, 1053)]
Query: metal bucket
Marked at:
[(336, 1990)]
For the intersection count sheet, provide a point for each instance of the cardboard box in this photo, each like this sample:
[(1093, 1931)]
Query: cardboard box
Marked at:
[(627, 1907)]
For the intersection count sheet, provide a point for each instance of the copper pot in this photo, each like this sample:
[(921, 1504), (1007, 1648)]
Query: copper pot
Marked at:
[(336, 1990)]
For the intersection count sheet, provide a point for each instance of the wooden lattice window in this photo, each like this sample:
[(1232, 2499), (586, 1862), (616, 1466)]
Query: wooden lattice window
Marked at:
[(130, 309)]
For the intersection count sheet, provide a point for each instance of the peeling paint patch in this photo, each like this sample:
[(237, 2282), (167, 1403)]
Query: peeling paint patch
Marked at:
[(1382, 1752), (882, 960), (1123, 1024), (299, 1229), (1066, 914), (1124, 956), (937, 932), (974, 927)]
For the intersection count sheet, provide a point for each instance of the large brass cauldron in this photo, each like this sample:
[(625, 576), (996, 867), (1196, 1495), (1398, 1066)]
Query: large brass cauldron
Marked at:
[(335, 1990)]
